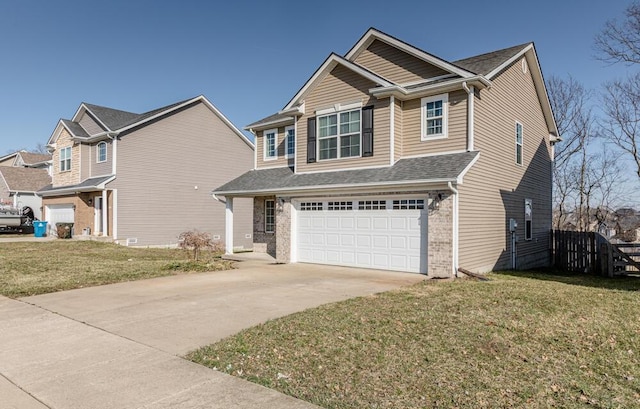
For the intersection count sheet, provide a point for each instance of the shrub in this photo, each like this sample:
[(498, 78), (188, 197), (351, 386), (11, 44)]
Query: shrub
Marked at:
[(196, 241)]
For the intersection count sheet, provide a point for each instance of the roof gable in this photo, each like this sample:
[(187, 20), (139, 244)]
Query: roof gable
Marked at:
[(327, 66), (372, 35)]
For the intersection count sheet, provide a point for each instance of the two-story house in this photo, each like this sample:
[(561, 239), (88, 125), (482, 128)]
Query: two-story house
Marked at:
[(142, 179), (392, 158), (22, 174)]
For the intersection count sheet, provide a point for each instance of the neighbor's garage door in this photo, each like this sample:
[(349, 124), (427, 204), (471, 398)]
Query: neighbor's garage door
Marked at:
[(388, 234), (59, 213)]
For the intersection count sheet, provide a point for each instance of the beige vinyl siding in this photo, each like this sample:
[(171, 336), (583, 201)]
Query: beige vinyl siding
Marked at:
[(100, 168), (166, 172), (396, 65), (85, 161), (89, 125), (345, 86), (399, 129), (456, 140), (495, 188), (281, 160), (8, 162), (70, 177)]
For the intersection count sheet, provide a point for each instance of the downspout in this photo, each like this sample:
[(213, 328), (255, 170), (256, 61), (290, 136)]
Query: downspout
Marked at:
[(218, 199), (470, 103), (455, 227)]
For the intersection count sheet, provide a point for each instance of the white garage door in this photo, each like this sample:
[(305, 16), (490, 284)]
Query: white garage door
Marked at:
[(387, 234), (59, 213)]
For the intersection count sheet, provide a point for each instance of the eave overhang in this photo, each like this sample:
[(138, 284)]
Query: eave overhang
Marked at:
[(405, 93)]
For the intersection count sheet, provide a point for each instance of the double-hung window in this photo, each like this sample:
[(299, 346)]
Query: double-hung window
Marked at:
[(65, 159), (518, 143), (290, 135), (271, 144), (433, 112), (269, 216), (339, 135), (101, 153)]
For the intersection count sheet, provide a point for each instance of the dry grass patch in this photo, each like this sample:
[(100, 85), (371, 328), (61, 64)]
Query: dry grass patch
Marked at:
[(516, 341), (31, 268)]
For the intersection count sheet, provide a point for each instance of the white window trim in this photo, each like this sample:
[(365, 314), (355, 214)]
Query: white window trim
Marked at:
[(521, 144), (286, 141), (266, 230), (106, 154), (445, 117), (264, 143), (345, 106), (352, 107), (60, 161)]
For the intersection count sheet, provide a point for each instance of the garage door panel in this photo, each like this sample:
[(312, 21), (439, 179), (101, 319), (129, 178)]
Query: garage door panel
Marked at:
[(355, 236), (347, 240)]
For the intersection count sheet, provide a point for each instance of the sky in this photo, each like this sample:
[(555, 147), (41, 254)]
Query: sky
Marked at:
[(250, 58)]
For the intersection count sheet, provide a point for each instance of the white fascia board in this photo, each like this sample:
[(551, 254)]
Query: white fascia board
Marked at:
[(56, 132), (374, 34), (329, 64), (266, 125), (295, 111), (351, 187), (510, 61), (466, 169)]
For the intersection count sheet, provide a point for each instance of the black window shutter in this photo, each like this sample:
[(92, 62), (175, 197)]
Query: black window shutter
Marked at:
[(311, 140), (367, 131)]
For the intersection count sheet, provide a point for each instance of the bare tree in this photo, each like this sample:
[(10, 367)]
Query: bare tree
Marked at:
[(620, 41), (621, 104)]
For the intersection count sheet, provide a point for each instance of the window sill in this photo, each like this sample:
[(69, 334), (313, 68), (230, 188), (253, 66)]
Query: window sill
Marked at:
[(432, 138)]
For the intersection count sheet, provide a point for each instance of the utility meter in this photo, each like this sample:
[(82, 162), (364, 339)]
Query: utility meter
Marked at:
[(513, 225)]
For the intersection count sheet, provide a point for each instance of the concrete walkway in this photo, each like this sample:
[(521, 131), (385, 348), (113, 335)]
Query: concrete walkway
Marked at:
[(118, 346)]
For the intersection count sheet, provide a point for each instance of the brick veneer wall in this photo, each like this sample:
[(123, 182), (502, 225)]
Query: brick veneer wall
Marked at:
[(440, 236)]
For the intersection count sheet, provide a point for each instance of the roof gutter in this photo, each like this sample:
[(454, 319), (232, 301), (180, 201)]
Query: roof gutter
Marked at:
[(97, 137)]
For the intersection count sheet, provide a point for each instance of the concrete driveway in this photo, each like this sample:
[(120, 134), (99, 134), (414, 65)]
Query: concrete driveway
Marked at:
[(119, 346)]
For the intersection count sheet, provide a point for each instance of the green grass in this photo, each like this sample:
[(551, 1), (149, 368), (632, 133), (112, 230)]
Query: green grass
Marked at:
[(30, 268), (529, 340)]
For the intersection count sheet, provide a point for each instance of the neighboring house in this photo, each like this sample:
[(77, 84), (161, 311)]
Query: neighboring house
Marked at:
[(18, 187), (142, 179), (22, 174), (627, 225), (392, 158), (26, 159)]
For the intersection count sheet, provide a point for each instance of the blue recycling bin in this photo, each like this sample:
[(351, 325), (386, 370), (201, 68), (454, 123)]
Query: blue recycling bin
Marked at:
[(39, 228)]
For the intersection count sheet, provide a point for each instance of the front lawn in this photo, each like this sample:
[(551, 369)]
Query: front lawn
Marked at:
[(520, 340), (30, 268)]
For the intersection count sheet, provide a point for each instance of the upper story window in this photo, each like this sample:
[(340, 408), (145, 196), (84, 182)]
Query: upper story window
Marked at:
[(271, 144), (101, 152), (290, 135), (339, 135), (518, 143), (65, 159), (434, 116)]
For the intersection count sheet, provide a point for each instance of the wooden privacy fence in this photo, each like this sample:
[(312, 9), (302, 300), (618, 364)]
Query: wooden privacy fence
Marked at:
[(592, 253)]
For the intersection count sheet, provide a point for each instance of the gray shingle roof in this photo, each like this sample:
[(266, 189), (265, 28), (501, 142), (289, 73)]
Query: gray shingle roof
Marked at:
[(21, 179), (483, 64), (86, 184), (75, 128), (112, 118), (421, 170), (31, 158)]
